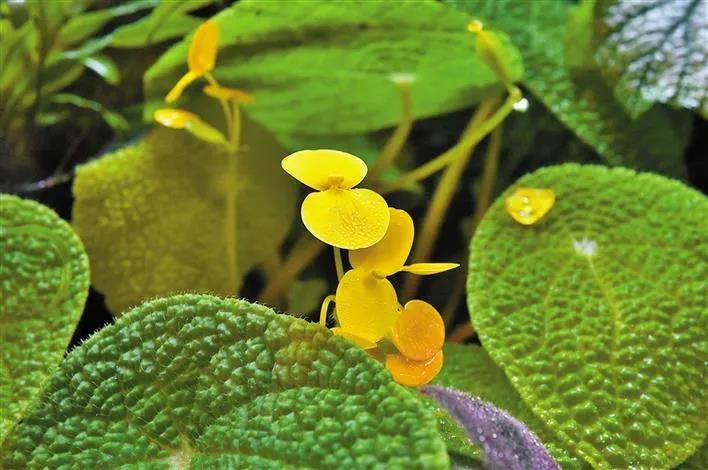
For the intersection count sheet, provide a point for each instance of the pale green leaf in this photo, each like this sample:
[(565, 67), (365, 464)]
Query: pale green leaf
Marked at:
[(325, 67), (105, 67), (305, 296), (597, 312), (582, 101), (201, 382), (113, 119), (44, 281), (655, 51), (154, 219), (470, 369)]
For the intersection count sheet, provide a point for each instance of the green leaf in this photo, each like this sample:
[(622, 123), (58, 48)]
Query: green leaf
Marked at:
[(44, 281), (582, 101), (168, 20), (201, 382), (470, 369), (105, 67), (655, 51), (154, 219), (113, 119), (305, 296), (698, 461), (325, 67), (597, 313)]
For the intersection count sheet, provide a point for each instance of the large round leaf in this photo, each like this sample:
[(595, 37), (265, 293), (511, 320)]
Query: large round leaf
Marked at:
[(597, 313), (43, 285), (213, 383)]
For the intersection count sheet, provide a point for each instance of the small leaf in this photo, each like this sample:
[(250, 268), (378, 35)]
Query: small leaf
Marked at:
[(105, 67), (331, 74), (160, 207), (113, 119), (655, 51), (597, 313), (201, 382), (44, 281), (507, 443)]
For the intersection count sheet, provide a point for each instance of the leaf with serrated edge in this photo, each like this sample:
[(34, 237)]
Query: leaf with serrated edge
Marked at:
[(199, 381), (325, 67), (44, 281), (153, 215), (597, 312), (655, 51), (582, 102), (470, 369)]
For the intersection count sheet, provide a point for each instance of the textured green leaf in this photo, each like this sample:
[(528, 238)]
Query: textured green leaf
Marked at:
[(43, 286), (582, 101), (153, 215), (470, 369), (199, 381), (597, 313), (655, 51), (698, 461), (325, 67)]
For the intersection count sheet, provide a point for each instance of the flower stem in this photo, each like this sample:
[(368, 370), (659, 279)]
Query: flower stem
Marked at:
[(338, 263), (468, 141), (444, 191), (397, 140), (323, 310), (305, 250)]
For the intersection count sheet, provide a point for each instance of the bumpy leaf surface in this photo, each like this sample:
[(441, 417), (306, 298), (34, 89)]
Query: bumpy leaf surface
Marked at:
[(43, 286), (153, 215), (582, 101), (470, 369), (325, 67), (199, 381), (597, 313), (508, 444), (656, 51)]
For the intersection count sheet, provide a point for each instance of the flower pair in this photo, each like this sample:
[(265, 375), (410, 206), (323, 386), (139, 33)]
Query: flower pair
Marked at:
[(380, 239)]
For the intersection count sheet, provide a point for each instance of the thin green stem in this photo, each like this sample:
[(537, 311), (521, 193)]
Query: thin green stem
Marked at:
[(338, 263), (225, 108), (468, 141), (395, 143), (443, 193), (489, 176)]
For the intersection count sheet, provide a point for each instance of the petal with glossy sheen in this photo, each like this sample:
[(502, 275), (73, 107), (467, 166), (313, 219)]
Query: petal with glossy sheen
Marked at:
[(419, 331), (174, 118), (528, 205), (413, 373), (359, 341), (366, 307), (202, 50), (325, 169), (425, 269), (346, 218), (179, 87), (388, 255)]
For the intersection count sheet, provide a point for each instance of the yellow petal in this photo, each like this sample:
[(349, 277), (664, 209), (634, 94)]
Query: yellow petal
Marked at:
[(346, 218), (226, 93), (202, 50), (325, 169), (174, 118), (419, 331), (359, 341), (528, 205), (179, 87), (388, 255), (424, 269), (366, 307), (413, 373)]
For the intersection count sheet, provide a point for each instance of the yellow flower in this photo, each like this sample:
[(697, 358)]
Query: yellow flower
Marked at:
[(413, 373), (337, 214), (388, 256), (226, 93), (367, 305), (528, 205), (201, 58), (419, 331), (181, 119)]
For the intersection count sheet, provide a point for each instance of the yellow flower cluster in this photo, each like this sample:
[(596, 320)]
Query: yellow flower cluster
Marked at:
[(367, 312)]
